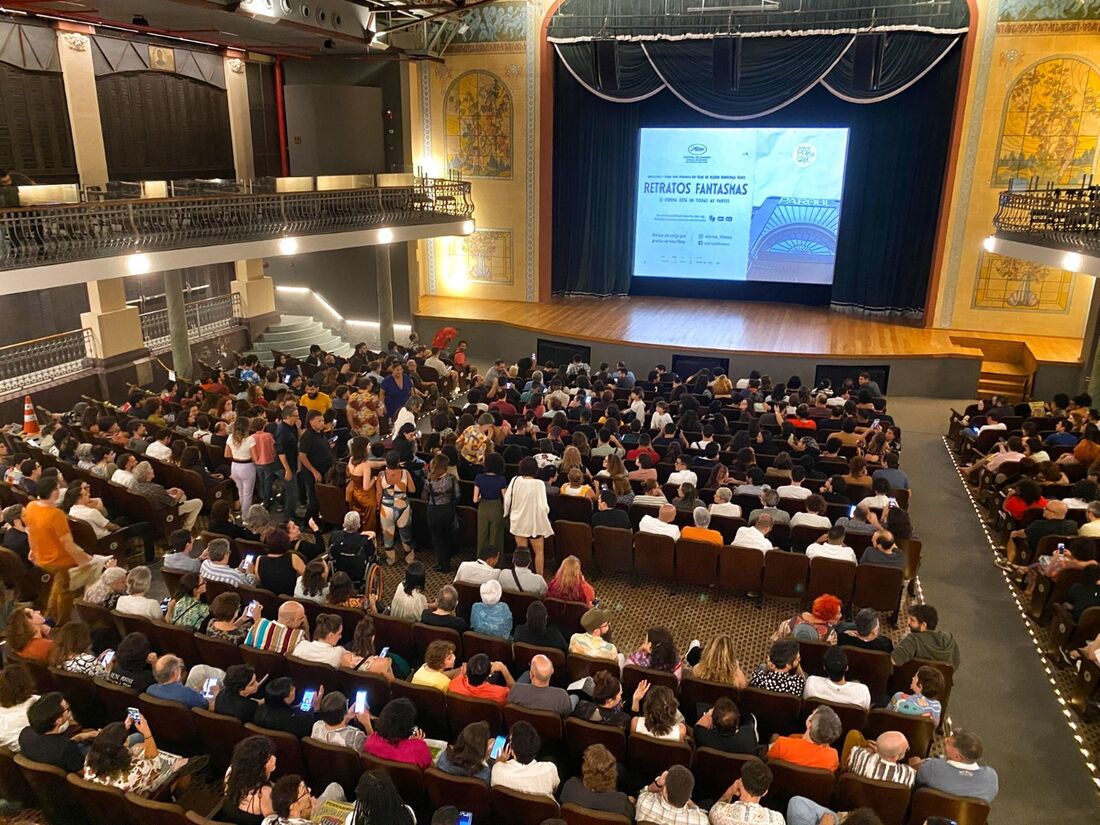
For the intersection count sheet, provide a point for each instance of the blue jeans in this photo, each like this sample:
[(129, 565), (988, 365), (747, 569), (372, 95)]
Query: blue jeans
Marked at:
[(803, 811), (265, 481)]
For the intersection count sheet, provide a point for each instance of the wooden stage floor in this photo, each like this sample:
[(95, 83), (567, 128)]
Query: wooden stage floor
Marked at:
[(747, 327)]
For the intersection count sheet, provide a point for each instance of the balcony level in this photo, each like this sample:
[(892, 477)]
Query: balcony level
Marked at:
[(114, 232), (1057, 227)]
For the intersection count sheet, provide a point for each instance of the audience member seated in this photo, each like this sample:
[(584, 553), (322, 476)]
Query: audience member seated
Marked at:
[(47, 738), (521, 578), (72, 650), (924, 641), (749, 790), (958, 772), (833, 686), (325, 646), (17, 694), (652, 495), (480, 570), (352, 549), (884, 551), (756, 535), (27, 635), (221, 523), (1084, 594), (480, 679), (168, 671), (662, 525), (658, 652), (279, 710), (396, 736), (517, 768), (141, 769), (880, 759), (409, 601), (832, 548), (535, 630), (814, 514), (782, 673), (491, 616), (595, 641), (467, 755), (804, 811), (608, 514), (538, 693), (606, 705), (865, 632), (186, 608), (927, 685), (135, 602), (237, 697), (145, 486), (443, 614), (896, 478), (813, 749), (717, 662), (667, 800), (215, 567), (700, 531), (569, 583), (332, 726), (278, 569), (816, 625), (722, 505), (660, 717), (439, 666), (313, 583), (722, 728), (184, 556), (132, 665), (769, 499), (248, 781), (596, 787)]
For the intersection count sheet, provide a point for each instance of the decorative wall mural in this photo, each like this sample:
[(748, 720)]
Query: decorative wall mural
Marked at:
[(485, 257), (478, 113), (1009, 283), (494, 23), (1030, 10), (1050, 124)]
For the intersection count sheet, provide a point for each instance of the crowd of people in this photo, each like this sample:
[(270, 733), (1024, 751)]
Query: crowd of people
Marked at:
[(523, 433)]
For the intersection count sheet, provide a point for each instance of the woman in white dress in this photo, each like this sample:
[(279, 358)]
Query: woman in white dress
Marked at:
[(528, 511)]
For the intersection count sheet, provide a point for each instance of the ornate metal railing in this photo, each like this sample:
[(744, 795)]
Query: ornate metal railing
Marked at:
[(44, 359), (1062, 218), (204, 318), (41, 235)]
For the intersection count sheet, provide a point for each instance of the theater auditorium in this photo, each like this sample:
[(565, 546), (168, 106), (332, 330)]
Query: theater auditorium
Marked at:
[(584, 412)]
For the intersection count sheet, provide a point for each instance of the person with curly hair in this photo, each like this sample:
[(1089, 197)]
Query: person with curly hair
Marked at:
[(396, 736), (658, 652), (248, 781), (140, 768), (660, 715), (377, 802), (596, 787)]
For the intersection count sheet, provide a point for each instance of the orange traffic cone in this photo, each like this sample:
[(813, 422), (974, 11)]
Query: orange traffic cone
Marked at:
[(30, 420)]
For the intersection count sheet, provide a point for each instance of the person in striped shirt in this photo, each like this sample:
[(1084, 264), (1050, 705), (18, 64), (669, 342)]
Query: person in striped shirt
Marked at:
[(281, 635), (215, 565), (881, 759)]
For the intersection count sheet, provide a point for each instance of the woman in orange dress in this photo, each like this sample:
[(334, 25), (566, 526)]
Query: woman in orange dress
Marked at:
[(362, 492)]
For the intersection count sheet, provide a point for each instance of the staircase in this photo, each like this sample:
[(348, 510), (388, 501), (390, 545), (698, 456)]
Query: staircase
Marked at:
[(293, 335), (1007, 370)]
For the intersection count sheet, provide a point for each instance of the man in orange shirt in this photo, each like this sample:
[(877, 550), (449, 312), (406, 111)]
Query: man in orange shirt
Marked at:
[(473, 680), (701, 531), (814, 748), (52, 547)]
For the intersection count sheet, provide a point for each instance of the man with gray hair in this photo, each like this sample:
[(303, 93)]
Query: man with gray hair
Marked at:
[(352, 549), (1091, 527), (769, 499), (880, 759), (723, 503), (701, 531), (814, 748), (168, 671), (535, 690), (215, 567), (145, 486), (443, 615)]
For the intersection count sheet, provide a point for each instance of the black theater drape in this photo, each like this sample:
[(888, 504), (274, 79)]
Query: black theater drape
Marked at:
[(893, 184)]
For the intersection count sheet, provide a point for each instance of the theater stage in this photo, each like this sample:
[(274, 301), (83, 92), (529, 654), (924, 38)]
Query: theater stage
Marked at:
[(780, 339)]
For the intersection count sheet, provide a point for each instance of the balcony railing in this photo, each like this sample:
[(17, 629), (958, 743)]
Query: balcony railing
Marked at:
[(42, 235), (34, 362), (204, 318), (1067, 219)]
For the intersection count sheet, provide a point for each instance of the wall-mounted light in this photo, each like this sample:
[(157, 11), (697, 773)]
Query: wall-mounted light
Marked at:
[(1071, 262), (385, 235), (990, 243), (139, 263), (288, 246), (468, 227)]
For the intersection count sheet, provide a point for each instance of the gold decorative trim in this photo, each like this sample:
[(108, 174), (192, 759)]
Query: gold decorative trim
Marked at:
[(486, 48), (1049, 27)]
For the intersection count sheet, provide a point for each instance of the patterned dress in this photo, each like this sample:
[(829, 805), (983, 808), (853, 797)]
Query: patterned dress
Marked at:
[(363, 413)]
